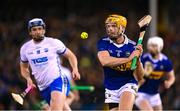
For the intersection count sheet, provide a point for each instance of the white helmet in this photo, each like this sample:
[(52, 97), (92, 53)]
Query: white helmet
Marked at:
[(157, 41)]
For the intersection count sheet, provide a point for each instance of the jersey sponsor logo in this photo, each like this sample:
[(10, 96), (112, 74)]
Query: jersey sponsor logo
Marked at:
[(150, 73), (156, 75), (40, 60), (122, 67)]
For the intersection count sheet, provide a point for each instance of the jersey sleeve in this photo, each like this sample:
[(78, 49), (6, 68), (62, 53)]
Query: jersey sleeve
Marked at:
[(168, 66), (101, 45), (60, 47), (23, 57)]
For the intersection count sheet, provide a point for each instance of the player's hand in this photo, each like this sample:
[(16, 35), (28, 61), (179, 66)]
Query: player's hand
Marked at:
[(30, 83), (167, 84), (135, 53), (75, 74), (139, 47)]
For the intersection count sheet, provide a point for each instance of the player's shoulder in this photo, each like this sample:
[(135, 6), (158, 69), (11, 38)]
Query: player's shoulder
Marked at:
[(27, 44), (130, 41), (145, 55), (164, 57), (104, 39), (51, 39)]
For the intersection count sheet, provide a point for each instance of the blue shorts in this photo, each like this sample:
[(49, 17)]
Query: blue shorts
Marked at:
[(60, 84)]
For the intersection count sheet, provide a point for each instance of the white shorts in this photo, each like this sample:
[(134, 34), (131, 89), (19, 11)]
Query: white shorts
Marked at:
[(154, 100), (113, 96)]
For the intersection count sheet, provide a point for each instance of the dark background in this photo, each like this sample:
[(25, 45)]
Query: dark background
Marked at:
[(65, 20)]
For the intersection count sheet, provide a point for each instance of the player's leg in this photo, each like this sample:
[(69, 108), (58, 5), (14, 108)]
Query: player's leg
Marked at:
[(127, 96), (112, 99), (59, 90), (57, 100), (70, 98), (156, 102), (126, 101), (66, 107), (144, 105), (142, 102), (158, 108)]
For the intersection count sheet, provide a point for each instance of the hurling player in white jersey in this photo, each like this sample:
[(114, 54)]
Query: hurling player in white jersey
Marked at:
[(115, 53), (157, 66), (42, 54), (72, 96)]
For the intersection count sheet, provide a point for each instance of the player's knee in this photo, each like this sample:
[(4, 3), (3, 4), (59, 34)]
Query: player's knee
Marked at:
[(57, 96)]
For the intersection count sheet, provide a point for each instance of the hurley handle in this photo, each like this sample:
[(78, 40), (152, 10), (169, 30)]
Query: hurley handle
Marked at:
[(28, 89), (24, 93), (134, 61), (90, 88), (143, 23)]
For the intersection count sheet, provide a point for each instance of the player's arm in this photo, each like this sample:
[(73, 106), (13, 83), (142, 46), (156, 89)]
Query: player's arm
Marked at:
[(73, 62), (24, 67), (107, 60), (170, 79)]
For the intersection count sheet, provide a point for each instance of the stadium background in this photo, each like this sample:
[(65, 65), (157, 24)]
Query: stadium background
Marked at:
[(65, 20)]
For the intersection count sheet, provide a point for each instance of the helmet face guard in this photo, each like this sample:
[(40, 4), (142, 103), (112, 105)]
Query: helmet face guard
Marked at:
[(35, 22)]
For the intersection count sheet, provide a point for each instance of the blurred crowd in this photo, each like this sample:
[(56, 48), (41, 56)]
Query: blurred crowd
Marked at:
[(67, 28)]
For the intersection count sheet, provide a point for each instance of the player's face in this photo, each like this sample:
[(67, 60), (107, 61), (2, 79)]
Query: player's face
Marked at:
[(37, 33), (112, 30), (153, 49)]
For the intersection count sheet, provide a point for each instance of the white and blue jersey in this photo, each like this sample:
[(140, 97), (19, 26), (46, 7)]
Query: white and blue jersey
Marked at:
[(117, 76), (44, 60), (156, 69)]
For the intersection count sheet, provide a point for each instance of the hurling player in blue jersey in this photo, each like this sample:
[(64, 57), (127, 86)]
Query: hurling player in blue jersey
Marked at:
[(115, 53), (156, 66)]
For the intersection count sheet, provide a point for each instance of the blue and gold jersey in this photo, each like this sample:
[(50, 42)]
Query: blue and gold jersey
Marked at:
[(154, 69), (117, 76)]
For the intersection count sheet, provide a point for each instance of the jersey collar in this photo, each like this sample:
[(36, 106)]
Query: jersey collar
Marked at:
[(156, 60), (120, 45)]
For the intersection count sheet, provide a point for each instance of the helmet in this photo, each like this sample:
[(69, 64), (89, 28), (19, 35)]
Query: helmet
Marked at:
[(157, 41), (118, 19), (35, 22)]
